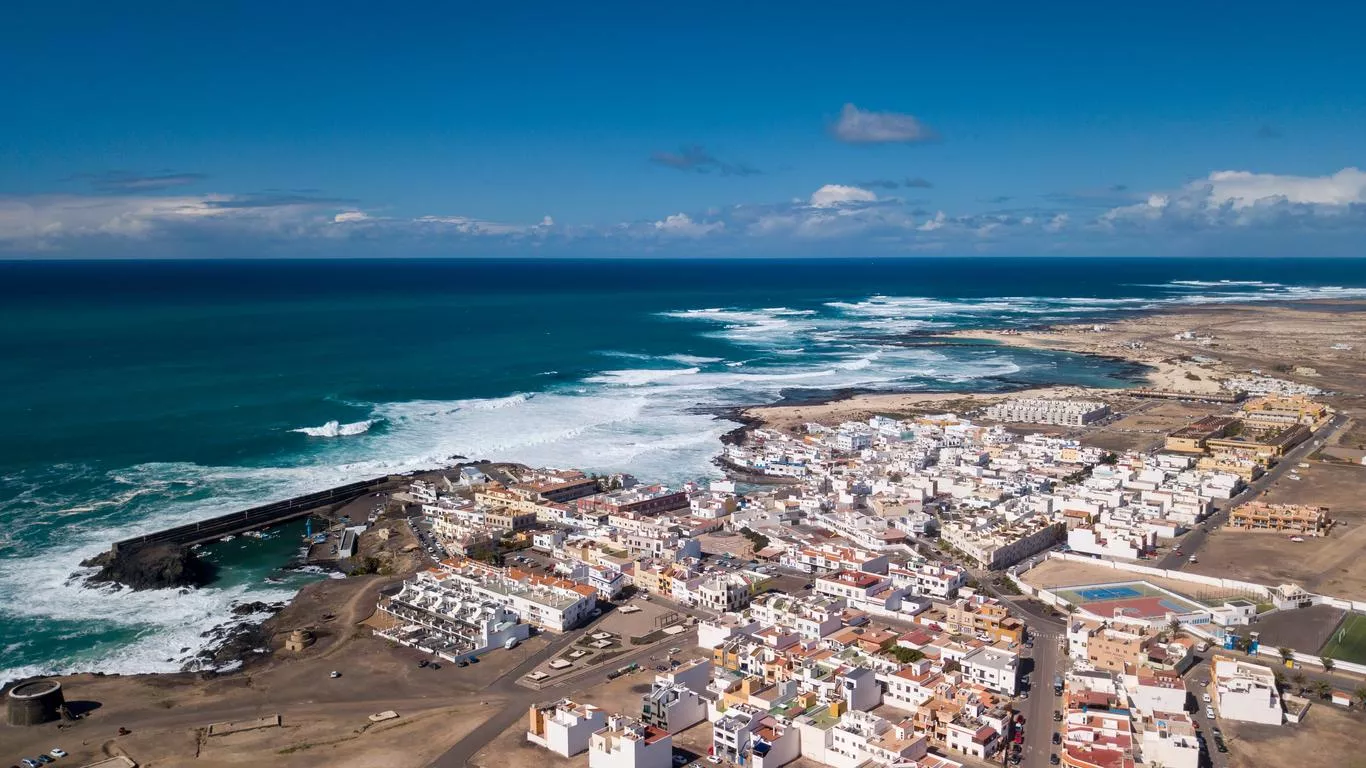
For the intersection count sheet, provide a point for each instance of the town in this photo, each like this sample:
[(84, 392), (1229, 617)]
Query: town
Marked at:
[(888, 602), (1017, 580)]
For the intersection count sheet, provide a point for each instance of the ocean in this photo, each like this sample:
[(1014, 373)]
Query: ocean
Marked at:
[(138, 395)]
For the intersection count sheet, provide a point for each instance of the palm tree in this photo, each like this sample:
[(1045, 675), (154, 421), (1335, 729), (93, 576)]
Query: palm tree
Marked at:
[(1323, 688), (1327, 664), (1287, 652), (1173, 627), (1360, 695), (1300, 679)]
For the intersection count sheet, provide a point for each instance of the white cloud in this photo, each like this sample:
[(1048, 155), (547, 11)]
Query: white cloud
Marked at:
[(350, 216), (1242, 198), (1241, 189), (937, 222), (832, 195), (682, 225), (861, 126), (1057, 223)]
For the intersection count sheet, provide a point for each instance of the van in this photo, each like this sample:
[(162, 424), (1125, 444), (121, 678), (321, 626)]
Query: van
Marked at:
[(1202, 647)]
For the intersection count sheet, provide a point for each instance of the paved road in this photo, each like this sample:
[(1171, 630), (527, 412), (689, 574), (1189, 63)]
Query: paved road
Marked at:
[(1196, 538), (519, 699), (1038, 708)]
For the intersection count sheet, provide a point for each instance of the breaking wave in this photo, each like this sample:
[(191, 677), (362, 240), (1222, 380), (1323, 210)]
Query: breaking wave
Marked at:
[(337, 429)]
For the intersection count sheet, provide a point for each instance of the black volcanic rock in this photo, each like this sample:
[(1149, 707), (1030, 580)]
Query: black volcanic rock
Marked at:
[(151, 566)]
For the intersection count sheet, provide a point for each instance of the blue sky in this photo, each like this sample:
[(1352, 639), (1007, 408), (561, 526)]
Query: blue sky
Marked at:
[(712, 129)]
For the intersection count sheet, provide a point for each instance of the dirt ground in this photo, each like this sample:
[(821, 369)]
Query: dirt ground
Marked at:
[(1144, 424), (1061, 573), (1333, 565), (1330, 734), (325, 720), (620, 696), (1304, 629), (720, 543)]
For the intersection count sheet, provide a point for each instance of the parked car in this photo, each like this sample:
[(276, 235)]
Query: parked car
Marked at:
[(1206, 698), (1053, 759), (57, 752), (1209, 712), (334, 674), (1057, 737)]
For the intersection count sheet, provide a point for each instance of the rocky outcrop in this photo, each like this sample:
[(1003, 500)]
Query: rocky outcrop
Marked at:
[(151, 566)]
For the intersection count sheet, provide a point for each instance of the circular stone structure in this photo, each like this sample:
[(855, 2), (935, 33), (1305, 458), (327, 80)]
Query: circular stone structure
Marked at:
[(34, 703)]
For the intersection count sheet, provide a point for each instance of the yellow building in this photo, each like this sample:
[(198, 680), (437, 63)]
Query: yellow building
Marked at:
[(1193, 438), (1274, 411), (1280, 518)]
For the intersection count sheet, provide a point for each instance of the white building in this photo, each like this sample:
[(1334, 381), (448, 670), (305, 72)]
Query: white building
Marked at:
[(564, 727), (1067, 413), (992, 668), (629, 743), (1247, 692)]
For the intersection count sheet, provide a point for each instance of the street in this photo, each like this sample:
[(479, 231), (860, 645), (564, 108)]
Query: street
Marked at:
[(1038, 708)]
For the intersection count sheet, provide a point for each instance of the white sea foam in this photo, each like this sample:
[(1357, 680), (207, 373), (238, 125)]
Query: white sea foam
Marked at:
[(648, 419), (638, 377), (337, 429)]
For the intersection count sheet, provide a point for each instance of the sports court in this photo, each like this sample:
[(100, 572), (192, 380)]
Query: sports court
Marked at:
[(1133, 599), (1348, 641)]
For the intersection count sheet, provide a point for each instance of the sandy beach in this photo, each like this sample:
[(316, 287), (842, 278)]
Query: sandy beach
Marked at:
[(1224, 341)]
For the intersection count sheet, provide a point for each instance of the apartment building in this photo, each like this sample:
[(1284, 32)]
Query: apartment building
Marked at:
[(553, 604), (995, 669), (564, 727), (984, 616), (1194, 437), (449, 618), (1298, 519), (1004, 544), (940, 581), (1068, 413), (1279, 411), (1245, 691), (1097, 738), (852, 585), (644, 501), (1111, 648), (830, 557), (629, 743), (813, 617)]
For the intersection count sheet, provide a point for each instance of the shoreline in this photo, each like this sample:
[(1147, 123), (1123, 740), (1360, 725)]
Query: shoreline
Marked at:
[(1158, 361), (1143, 339)]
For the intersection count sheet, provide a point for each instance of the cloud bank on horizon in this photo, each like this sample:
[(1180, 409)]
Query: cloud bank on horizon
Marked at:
[(1225, 207), (554, 130)]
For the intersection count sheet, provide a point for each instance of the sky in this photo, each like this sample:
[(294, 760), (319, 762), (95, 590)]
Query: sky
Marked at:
[(705, 129)]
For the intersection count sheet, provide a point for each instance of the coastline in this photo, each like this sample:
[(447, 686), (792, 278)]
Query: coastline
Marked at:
[(335, 610), (1271, 337)]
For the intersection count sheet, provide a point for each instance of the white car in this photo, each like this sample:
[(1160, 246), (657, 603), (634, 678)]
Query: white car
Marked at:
[(1209, 712), (1207, 699), (57, 752)]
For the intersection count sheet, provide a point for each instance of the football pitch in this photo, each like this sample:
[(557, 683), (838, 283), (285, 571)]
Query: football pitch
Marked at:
[(1348, 641)]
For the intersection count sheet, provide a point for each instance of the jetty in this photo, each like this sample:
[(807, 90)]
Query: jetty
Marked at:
[(265, 516)]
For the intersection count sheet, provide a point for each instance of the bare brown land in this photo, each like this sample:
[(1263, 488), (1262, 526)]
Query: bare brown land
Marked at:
[(1331, 565), (325, 720), (1272, 339), (1329, 733)]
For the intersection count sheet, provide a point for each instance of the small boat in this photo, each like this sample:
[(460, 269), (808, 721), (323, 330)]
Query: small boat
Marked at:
[(229, 537)]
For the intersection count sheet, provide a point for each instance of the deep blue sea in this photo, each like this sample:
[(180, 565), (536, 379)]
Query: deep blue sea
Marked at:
[(141, 394)]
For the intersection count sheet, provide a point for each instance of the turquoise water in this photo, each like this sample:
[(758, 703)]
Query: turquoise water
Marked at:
[(144, 394)]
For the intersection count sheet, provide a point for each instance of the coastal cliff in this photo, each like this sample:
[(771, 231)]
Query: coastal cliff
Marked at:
[(150, 566)]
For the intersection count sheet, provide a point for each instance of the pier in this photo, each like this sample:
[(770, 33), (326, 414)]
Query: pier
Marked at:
[(264, 516)]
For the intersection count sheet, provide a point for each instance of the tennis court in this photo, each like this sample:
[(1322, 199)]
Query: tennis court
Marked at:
[(1348, 641), (1136, 599), (1108, 593)]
